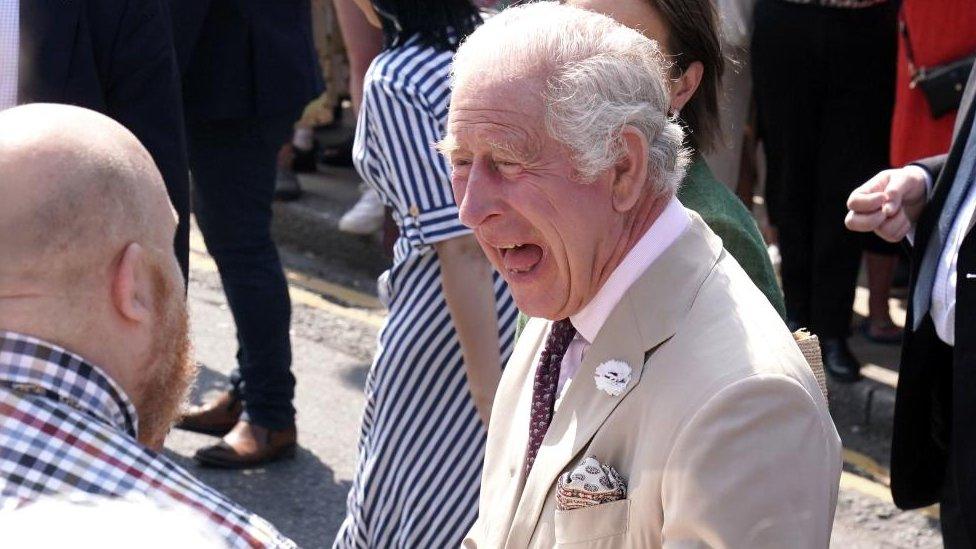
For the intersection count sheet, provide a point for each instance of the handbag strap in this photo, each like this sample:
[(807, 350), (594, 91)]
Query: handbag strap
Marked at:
[(909, 52)]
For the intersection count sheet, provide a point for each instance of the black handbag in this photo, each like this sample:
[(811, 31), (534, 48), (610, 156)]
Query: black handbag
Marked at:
[(942, 85)]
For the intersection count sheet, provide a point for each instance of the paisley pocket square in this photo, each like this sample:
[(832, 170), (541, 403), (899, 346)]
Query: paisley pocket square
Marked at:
[(590, 483)]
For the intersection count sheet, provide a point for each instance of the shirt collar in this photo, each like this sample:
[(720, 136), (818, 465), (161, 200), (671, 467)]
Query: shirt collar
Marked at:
[(27, 360), (672, 222)]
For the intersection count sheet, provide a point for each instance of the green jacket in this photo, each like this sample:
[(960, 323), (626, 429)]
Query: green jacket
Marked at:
[(731, 221)]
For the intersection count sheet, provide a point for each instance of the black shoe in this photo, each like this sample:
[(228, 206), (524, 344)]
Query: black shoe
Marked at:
[(839, 362)]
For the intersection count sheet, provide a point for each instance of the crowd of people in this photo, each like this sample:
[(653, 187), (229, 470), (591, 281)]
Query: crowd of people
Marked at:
[(586, 340)]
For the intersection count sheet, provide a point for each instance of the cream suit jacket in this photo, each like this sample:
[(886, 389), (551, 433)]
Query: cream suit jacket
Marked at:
[(723, 436)]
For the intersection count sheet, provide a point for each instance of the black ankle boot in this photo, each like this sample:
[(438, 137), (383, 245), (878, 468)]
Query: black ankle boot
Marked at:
[(839, 362)]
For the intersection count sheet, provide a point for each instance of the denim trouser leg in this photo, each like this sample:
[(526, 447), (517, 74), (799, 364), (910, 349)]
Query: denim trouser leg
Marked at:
[(233, 164)]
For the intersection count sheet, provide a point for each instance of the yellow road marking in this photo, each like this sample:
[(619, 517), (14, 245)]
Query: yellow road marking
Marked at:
[(203, 261), (868, 465), (305, 297), (850, 481), (346, 295), (317, 285), (877, 486)]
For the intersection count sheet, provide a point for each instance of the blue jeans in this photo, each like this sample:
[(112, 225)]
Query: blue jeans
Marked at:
[(233, 164)]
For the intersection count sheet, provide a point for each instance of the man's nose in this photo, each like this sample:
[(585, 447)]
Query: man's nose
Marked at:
[(481, 198)]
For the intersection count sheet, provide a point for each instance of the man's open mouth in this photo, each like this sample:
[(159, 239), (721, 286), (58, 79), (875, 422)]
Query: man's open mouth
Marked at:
[(520, 258)]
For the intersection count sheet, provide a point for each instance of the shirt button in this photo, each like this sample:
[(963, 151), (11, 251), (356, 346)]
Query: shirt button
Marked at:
[(414, 210)]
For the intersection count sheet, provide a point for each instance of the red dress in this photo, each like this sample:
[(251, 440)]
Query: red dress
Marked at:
[(940, 31)]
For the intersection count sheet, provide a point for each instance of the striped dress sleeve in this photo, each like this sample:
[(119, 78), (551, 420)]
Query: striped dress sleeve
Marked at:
[(406, 129)]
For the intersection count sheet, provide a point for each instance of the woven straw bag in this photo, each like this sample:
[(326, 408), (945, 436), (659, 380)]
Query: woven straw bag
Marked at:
[(809, 345)]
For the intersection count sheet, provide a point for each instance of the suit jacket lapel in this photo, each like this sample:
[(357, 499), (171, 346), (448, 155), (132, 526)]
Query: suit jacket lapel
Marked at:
[(928, 223), (962, 133), (972, 222), (47, 37), (966, 106), (647, 315), (509, 434)]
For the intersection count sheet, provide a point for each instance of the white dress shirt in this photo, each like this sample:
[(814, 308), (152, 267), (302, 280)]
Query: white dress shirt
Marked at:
[(671, 224), (943, 308), (9, 52)]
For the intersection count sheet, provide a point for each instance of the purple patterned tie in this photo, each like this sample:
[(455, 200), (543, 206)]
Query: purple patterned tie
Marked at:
[(544, 388)]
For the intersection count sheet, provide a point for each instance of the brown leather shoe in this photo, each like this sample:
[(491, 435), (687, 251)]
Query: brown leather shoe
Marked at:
[(216, 417), (249, 445)]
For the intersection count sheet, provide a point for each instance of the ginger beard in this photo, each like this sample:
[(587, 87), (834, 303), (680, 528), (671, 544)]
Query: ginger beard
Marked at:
[(171, 369)]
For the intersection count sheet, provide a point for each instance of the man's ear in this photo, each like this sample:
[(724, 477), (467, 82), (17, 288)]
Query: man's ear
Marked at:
[(631, 170), (131, 285), (685, 86)]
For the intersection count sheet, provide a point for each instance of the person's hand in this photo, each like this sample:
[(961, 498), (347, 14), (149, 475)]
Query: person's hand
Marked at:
[(483, 404), (889, 203)]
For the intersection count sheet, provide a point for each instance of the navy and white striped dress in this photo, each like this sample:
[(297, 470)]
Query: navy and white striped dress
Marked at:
[(422, 443)]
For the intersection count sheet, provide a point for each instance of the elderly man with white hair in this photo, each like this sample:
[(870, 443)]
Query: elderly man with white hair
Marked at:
[(663, 403)]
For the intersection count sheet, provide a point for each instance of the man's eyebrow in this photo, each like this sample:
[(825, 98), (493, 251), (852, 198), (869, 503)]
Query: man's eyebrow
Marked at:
[(448, 145), (519, 150)]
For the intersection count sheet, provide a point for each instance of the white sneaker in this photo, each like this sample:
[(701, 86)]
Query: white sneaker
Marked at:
[(366, 216)]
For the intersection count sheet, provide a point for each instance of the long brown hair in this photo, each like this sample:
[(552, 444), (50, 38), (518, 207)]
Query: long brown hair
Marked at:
[(693, 35)]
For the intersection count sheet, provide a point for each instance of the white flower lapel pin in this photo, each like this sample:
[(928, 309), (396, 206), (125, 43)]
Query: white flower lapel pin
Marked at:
[(612, 377)]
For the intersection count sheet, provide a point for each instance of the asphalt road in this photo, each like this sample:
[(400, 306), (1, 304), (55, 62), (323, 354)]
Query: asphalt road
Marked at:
[(333, 343), (304, 497)]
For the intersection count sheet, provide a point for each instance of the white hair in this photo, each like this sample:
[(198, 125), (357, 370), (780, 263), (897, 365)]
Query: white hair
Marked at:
[(600, 76)]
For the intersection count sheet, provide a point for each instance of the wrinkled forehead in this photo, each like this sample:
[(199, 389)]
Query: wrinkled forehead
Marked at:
[(505, 112)]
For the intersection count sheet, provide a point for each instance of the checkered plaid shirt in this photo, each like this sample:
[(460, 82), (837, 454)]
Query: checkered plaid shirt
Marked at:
[(66, 427)]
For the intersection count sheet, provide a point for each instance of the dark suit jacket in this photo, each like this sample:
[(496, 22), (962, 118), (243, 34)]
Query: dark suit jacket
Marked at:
[(115, 57), (245, 58), (935, 409)]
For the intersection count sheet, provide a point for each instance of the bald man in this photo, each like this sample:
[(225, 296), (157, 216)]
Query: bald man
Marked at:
[(94, 351)]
